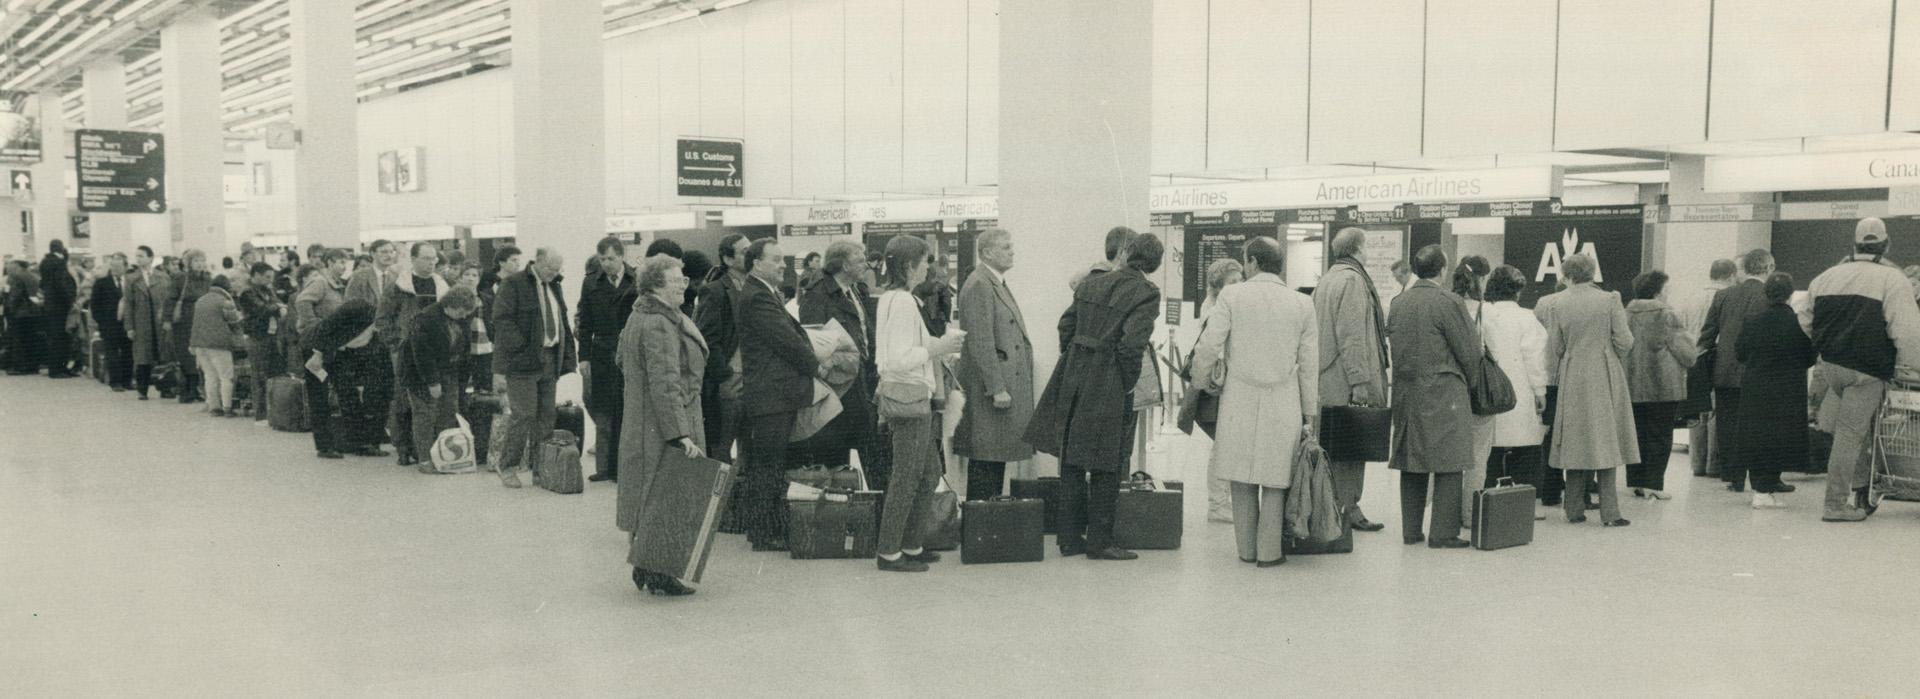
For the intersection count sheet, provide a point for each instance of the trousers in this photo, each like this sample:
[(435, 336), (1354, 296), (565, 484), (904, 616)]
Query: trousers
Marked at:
[(916, 471), (1259, 521), (1349, 480), (1653, 427), (1088, 514), (530, 400), (430, 416), (1726, 421), (1576, 503), (763, 446), (119, 356), (1446, 504), (1855, 399), (606, 439), (216, 371)]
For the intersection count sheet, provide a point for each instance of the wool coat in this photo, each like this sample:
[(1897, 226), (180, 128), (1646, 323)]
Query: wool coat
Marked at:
[(663, 361), (1268, 336), (1663, 350), (216, 322), (776, 359), (186, 292), (518, 337), (997, 356), (1772, 420), (604, 309), (1434, 344), (824, 300), (1353, 348), (141, 310), (1085, 416), (1731, 308), (1519, 343), (1588, 340)]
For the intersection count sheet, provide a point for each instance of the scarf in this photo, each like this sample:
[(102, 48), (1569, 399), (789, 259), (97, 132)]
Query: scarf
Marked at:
[(1379, 323)]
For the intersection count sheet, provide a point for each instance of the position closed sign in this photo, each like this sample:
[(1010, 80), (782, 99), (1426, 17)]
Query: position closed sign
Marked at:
[(711, 168), (121, 171)]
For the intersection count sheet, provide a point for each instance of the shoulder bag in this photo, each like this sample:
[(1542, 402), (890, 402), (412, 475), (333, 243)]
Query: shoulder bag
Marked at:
[(1490, 391), (901, 399)]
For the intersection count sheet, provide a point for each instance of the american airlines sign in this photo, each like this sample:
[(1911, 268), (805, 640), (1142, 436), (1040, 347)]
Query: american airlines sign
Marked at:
[(1407, 187)]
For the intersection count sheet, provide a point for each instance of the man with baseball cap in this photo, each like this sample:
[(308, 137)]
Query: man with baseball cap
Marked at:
[(1864, 322)]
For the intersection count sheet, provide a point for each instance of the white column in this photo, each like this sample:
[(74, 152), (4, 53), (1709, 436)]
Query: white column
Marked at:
[(326, 184), (105, 83), (50, 220), (1075, 136), (196, 155), (559, 128)]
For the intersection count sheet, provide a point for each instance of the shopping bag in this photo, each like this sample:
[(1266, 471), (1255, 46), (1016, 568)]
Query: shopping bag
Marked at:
[(453, 450)]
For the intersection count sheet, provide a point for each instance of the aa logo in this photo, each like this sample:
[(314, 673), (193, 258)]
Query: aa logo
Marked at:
[(1553, 255)]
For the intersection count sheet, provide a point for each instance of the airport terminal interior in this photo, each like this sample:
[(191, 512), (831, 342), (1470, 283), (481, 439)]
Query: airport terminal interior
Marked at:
[(959, 347)]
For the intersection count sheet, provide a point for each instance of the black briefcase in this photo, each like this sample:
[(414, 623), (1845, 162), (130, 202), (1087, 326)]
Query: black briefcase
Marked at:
[(1354, 433), (828, 529), (1291, 545), (1148, 517), (1002, 530), (1503, 516), (1046, 489)]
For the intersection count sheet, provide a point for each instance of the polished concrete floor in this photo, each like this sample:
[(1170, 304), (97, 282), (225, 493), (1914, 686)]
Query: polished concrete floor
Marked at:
[(152, 550)]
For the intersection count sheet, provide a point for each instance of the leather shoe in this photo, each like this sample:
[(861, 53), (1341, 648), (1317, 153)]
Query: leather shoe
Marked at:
[(903, 564), (1112, 553), (1413, 539), (370, 451), (1784, 488), (331, 455), (1367, 525), (1617, 523), (1272, 563), (1452, 543), (924, 556), (1576, 520), (1072, 547), (599, 478)]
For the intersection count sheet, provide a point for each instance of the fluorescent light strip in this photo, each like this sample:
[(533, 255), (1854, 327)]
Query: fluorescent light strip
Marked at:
[(426, 77), (71, 6), (376, 8), (664, 21), (429, 22), (482, 24), (398, 66), (131, 10), (724, 4), (254, 9), (76, 42), (487, 38), (37, 32)]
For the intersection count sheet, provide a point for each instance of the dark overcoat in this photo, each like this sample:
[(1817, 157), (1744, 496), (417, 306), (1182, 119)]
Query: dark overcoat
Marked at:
[(1085, 416), (1772, 421), (1726, 318), (1433, 344), (820, 302), (604, 307), (141, 310)]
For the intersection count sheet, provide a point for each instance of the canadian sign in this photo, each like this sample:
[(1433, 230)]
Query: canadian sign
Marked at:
[(121, 171), (711, 168)]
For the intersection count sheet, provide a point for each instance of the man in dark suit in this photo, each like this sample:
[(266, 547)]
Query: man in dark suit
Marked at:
[(777, 367), (105, 306), (839, 295), (1731, 308), (713, 313), (532, 348), (60, 290)]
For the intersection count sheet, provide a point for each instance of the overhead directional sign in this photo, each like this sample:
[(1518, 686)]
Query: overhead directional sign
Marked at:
[(20, 183), (121, 171), (711, 168)]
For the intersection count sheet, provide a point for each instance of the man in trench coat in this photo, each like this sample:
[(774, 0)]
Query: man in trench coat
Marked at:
[(996, 368), (1353, 355), (1086, 415), (1434, 346)]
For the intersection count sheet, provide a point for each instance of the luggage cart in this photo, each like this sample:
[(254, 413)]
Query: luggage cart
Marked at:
[(1895, 462)]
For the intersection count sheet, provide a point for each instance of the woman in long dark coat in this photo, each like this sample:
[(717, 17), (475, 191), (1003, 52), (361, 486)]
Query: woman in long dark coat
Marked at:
[(1772, 432), (187, 290), (663, 360)]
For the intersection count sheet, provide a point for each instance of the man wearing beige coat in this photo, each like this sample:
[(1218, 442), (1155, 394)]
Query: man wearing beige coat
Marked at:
[(1353, 354), (996, 368)]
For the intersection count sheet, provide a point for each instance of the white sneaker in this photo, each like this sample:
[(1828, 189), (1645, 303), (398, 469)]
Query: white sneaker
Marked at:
[(1767, 501)]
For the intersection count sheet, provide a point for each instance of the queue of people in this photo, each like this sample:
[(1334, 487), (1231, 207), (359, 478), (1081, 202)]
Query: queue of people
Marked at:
[(715, 363)]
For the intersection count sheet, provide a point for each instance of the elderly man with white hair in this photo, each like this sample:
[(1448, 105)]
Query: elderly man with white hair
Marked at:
[(533, 347), (1352, 354)]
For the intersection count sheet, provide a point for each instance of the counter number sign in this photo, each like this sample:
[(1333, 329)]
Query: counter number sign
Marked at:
[(711, 168), (122, 172)]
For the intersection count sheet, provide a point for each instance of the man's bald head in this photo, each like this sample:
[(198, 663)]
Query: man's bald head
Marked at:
[(547, 262)]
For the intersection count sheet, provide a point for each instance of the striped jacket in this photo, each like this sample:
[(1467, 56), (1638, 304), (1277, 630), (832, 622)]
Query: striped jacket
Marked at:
[(1863, 317)]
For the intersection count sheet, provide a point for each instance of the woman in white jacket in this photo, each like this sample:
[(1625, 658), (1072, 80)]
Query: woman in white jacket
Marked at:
[(907, 357), (1519, 344), (1469, 282)]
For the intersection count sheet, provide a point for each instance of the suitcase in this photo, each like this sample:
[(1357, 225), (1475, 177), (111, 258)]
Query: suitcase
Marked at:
[(287, 404), (1046, 489), (828, 529), (679, 514), (556, 464), (1003, 529), (1148, 517), (1291, 545), (1503, 516), (572, 418)]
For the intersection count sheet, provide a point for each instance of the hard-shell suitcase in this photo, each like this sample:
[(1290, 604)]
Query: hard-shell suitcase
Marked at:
[(287, 404), (1148, 516), (556, 464), (679, 514), (1003, 529), (1291, 545), (1503, 516), (830, 529), (1046, 489)]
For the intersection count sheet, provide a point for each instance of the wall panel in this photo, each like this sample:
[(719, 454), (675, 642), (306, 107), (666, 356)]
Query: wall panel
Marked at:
[(1367, 63), (934, 92), (768, 120), (1632, 73), (819, 98), (1257, 83), (1489, 77), (874, 90), (468, 149), (680, 76), (1904, 114), (633, 167), (722, 100), (1180, 86), (983, 92), (1786, 69)]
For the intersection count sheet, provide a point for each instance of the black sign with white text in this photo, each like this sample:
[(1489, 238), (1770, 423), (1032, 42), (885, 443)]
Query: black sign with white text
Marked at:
[(711, 168), (122, 172), (1539, 247)]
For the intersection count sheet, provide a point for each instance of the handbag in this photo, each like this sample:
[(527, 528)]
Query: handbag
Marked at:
[(900, 399), (1491, 392), (1205, 405)]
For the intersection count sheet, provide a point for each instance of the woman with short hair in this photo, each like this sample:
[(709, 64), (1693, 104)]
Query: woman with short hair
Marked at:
[(1519, 343), (188, 287), (1775, 354), (1657, 366), (1222, 273), (1469, 283), (1588, 339), (906, 355), (662, 359)]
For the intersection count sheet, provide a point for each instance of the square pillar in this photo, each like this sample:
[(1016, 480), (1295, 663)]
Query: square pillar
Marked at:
[(1075, 140), (326, 184), (50, 220), (1688, 249), (196, 140), (559, 129), (105, 84)]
